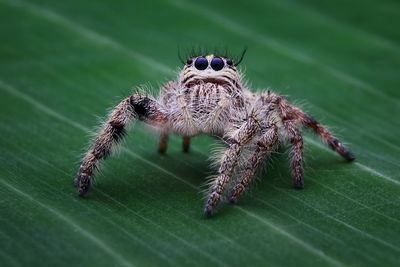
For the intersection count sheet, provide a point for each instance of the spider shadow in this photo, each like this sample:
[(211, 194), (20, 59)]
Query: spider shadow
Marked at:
[(162, 179)]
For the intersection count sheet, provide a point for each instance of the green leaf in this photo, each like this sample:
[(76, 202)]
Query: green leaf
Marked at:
[(64, 64)]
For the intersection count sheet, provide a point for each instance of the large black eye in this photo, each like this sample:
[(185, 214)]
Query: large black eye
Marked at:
[(201, 63), (217, 63)]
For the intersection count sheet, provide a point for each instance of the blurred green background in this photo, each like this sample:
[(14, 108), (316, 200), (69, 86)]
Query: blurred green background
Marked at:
[(63, 64)]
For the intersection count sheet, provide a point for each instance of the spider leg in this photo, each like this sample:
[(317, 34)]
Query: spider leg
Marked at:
[(229, 160), (291, 112), (333, 142), (163, 143), (266, 142), (296, 162), (185, 144), (138, 107)]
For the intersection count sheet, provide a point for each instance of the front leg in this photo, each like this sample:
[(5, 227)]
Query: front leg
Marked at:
[(229, 160), (296, 161), (264, 145), (137, 107)]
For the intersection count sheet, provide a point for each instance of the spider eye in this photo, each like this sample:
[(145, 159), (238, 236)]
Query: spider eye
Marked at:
[(217, 63), (189, 61), (229, 62), (201, 63)]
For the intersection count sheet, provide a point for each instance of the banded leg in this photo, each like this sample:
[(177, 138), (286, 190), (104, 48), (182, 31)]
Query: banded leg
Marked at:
[(290, 112), (113, 130), (296, 161), (163, 143), (229, 160), (185, 144), (333, 142), (267, 142)]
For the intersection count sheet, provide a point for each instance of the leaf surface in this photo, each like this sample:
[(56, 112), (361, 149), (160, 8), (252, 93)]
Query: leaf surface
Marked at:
[(64, 64)]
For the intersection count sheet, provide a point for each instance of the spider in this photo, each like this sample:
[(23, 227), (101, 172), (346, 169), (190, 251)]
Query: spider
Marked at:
[(210, 97)]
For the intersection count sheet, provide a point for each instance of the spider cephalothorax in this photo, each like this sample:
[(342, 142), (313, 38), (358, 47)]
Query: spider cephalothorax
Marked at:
[(210, 98)]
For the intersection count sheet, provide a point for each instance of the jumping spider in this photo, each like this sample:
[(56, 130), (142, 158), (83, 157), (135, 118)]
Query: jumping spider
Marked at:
[(210, 98)]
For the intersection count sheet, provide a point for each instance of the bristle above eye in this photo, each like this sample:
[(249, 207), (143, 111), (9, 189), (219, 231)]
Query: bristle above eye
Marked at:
[(232, 59), (241, 57)]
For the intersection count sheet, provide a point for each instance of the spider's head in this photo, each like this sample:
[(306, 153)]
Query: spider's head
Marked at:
[(210, 69)]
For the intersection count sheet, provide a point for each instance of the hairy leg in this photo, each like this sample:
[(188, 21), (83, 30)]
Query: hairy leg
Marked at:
[(333, 142), (163, 143), (291, 112), (136, 106), (296, 162), (267, 141), (229, 160), (185, 144)]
